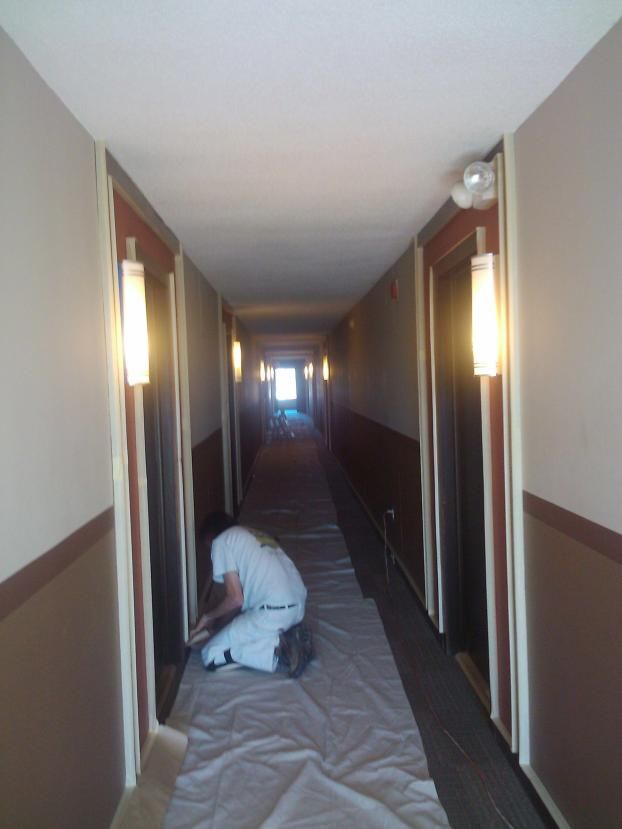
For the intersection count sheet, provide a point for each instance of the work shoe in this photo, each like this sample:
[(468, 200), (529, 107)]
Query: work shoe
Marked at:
[(295, 650), (306, 638)]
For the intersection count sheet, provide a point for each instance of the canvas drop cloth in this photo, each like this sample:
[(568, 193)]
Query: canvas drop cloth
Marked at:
[(338, 747)]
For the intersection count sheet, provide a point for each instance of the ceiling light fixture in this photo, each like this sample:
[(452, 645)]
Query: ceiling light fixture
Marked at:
[(478, 188)]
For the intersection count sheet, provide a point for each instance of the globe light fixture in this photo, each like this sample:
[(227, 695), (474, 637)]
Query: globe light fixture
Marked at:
[(479, 177)]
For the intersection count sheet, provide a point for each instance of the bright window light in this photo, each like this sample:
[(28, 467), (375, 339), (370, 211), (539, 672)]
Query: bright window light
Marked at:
[(286, 384)]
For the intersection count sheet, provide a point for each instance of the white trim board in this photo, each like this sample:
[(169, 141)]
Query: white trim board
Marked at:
[(489, 545), (545, 797), (186, 438), (507, 447), (437, 513), (424, 426), (518, 543), (118, 432), (179, 472), (489, 540), (145, 559)]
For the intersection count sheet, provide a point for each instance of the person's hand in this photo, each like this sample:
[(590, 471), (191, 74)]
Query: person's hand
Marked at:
[(200, 631)]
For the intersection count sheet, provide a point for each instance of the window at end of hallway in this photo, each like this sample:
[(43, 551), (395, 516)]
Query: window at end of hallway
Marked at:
[(286, 384)]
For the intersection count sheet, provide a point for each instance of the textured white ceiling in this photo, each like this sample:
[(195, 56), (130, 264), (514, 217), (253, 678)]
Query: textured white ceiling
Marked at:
[(295, 146)]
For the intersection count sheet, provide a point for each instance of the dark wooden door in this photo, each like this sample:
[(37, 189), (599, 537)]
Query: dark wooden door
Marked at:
[(461, 484), (160, 449)]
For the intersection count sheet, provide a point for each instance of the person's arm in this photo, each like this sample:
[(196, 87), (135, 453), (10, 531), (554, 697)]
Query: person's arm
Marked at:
[(230, 604)]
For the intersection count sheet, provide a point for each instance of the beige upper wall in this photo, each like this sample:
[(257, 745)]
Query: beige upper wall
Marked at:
[(55, 473), (203, 355), (569, 175), (375, 353)]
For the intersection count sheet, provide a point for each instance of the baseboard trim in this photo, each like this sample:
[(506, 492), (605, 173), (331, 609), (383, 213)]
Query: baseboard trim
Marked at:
[(144, 805), (545, 797), (474, 678), (119, 815), (503, 731)]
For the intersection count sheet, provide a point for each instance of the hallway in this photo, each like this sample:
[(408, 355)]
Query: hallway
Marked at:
[(338, 748), (401, 219)]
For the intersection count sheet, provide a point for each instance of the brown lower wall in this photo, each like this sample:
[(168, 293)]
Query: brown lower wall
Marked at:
[(61, 755), (574, 612), (384, 467), (209, 491)]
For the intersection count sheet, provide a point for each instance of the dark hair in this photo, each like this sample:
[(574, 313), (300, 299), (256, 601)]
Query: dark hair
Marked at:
[(214, 524)]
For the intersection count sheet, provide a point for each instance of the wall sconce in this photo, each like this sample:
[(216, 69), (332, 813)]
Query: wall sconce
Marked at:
[(262, 371), (484, 316), (135, 336), (478, 187), (306, 372), (272, 372), (237, 361), (325, 371), (310, 371)]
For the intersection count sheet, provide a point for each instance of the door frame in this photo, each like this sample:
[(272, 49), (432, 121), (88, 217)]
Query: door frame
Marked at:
[(519, 661), (503, 156), (167, 280), (111, 177), (472, 244)]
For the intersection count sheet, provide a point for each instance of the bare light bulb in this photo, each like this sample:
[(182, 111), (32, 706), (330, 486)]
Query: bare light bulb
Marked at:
[(479, 177)]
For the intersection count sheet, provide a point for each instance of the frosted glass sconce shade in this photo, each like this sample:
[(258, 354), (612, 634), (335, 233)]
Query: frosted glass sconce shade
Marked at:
[(484, 316), (135, 337), (262, 371), (325, 370), (237, 361)]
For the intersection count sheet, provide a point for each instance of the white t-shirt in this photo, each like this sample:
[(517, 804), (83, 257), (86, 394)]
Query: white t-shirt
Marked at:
[(267, 575)]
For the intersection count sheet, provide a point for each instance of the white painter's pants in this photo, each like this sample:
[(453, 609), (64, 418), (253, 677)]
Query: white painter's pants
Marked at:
[(252, 637)]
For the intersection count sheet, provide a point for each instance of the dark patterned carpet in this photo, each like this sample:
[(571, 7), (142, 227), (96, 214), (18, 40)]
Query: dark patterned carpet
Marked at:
[(481, 788)]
